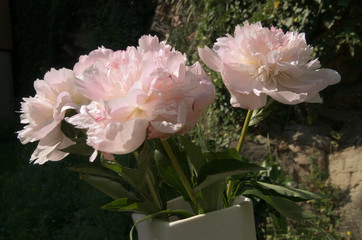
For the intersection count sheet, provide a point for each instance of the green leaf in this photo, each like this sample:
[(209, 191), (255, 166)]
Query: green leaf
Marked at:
[(68, 129), (211, 197), (230, 153), (149, 171), (134, 177), (291, 192), (193, 152), (130, 205), (259, 115), (222, 168), (111, 188), (285, 206), (181, 157), (93, 170), (70, 112), (80, 148), (119, 204), (280, 223), (144, 158), (168, 173)]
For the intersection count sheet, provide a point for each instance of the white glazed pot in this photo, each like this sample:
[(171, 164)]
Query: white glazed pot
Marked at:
[(233, 223)]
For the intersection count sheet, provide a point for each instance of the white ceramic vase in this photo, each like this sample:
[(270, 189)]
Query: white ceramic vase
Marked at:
[(233, 223)]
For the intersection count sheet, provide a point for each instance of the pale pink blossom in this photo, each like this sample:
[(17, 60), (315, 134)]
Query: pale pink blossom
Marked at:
[(148, 89), (259, 62), (44, 112)]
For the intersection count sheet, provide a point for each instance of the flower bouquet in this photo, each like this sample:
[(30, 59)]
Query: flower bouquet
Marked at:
[(139, 103)]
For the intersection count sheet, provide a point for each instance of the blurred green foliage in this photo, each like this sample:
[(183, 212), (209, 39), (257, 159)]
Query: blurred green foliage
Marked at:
[(332, 27), (271, 224)]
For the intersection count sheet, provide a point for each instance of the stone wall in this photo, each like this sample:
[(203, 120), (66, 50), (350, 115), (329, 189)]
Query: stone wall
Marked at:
[(338, 153)]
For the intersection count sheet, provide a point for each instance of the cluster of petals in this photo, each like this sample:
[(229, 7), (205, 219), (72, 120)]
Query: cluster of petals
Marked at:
[(258, 62), (44, 112), (140, 91)]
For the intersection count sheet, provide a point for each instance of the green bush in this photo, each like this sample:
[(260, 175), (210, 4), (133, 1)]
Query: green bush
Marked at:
[(332, 27)]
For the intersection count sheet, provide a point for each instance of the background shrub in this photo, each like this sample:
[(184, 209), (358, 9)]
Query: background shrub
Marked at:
[(332, 27)]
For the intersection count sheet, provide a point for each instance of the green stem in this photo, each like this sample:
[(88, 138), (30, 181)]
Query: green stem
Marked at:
[(181, 174), (244, 131), (150, 186), (153, 192), (229, 189), (239, 147), (115, 166)]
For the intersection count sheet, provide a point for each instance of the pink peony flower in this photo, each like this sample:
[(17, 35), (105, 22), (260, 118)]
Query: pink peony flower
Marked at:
[(44, 112), (259, 62), (139, 90)]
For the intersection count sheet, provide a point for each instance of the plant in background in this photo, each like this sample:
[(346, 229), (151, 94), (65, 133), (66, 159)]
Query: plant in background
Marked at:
[(204, 21), (137, 100), (273, 225)]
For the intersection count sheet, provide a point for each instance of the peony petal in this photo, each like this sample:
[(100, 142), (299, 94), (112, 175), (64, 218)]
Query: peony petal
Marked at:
[(311, 81), (26, 135), (204, 93), (329, 77), (176, 65), (108, 156), (247, 101), (40, 154), (315, 99), (54, 156), (127, 137), (148, 43), (315, 81), (210, 58), (41, 133), (59, 79), (81, 120), (238, 80), (171, 127), (99, 55), (94, 84), (93, 156), (43, 89), (49, 147), (287, 97), (166, 127)]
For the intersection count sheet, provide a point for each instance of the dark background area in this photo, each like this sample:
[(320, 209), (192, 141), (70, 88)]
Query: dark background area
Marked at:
[(55, 33), (48, 201)]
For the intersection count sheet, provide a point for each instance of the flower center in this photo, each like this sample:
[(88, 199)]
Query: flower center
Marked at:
[(96, 111), (271, 76)]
